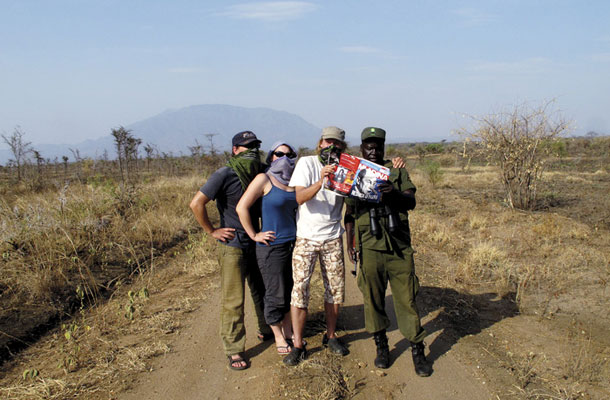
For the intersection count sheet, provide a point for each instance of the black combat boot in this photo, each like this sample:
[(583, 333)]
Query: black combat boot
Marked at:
[(422, 368), (383, 351)]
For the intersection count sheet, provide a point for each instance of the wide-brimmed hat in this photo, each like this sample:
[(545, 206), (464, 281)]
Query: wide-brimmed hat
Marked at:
[(332, 132)]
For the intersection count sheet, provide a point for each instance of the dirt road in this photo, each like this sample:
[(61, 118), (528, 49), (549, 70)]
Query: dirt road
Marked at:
[(197, 368)]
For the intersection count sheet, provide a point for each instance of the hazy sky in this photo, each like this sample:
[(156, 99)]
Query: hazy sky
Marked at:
[(74, 69)]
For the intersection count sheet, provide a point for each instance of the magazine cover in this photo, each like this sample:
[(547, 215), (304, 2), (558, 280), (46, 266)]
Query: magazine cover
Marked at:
[(358, 178), (342, 179)]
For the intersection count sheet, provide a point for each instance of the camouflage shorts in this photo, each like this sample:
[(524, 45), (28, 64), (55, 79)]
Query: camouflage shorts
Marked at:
[(304, 257)]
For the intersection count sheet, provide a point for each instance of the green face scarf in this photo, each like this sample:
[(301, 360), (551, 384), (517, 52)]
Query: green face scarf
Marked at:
[(330, 155), (246, 165)]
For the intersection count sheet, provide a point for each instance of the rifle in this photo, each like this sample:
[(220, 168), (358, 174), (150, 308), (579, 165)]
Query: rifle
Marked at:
[(356, 258)]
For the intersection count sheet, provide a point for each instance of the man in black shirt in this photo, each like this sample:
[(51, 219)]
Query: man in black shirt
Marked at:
[(236, 257)]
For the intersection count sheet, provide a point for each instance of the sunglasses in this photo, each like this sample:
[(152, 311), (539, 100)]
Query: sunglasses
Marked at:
[(282, 154)]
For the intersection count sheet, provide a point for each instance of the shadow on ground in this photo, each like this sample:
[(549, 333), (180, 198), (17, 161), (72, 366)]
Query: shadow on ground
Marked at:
[(456, 315)]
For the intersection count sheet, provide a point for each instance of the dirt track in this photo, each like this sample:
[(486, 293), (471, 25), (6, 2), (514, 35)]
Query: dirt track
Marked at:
[(197, 367)]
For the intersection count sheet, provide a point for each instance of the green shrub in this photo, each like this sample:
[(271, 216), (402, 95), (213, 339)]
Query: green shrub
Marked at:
[(432, 171), (434, 148)]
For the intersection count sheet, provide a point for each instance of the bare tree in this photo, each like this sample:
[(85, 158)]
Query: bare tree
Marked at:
[(127, 150), (19, 148), (64, 159), (150, 150), (210, 137), (591, 134), (196, 150), (78, 162), (512, 140), (39, 165), (131, 152)]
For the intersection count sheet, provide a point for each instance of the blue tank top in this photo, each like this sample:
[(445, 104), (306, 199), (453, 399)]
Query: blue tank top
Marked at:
[(279, 215)]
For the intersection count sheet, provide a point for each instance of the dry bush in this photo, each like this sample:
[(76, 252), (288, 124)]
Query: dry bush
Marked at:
[(447, 160), (440, 236), (585, 363), (548, 229), (477, 221), (579, 231), (514, 140), (486, 263), (430, 229)]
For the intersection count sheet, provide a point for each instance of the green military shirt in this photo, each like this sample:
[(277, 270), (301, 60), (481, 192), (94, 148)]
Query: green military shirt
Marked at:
[(385, 241)]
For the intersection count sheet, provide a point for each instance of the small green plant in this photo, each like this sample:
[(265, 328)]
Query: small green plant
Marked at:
[(432, 171), (30, 373), (132, 300), (72, 332)]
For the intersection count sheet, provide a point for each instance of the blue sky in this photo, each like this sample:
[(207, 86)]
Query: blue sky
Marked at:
[(73, 69)]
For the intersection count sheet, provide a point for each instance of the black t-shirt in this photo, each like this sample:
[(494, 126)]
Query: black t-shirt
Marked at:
[(224, 187)]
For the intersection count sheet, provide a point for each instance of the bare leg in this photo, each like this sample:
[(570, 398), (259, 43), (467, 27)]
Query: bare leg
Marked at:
[(299, 315), (280, 341), (287, 326), (332, 313)]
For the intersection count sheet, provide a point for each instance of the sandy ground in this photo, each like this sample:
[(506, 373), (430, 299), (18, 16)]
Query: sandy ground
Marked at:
[(196, 368)]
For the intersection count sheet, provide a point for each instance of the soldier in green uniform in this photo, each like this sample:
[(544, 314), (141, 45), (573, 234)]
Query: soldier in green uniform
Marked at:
[(383, 247)]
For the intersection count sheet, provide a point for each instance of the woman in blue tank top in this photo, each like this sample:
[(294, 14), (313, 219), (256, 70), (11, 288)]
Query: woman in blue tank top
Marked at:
[(276, 238)]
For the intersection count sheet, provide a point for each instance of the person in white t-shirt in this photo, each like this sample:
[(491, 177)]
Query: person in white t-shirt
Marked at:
[(319, 233)]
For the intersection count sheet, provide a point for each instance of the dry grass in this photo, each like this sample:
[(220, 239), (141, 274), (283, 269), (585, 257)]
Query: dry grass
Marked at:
[(585, 363), (201, 255), (114, 347), (99, 238), (87, 236), (555, 261), (319, 378), (486, 264)]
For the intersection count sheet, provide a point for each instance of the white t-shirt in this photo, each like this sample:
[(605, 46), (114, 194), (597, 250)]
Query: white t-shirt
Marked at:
[(320, 217)]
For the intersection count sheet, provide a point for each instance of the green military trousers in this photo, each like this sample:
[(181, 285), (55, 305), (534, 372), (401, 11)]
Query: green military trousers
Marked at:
[(376, 269), (237, 266)]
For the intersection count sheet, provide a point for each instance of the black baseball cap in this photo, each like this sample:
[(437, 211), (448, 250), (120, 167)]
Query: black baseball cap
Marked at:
[(245, 138)]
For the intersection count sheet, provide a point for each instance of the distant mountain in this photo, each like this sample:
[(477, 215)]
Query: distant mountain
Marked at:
[(174, 130)]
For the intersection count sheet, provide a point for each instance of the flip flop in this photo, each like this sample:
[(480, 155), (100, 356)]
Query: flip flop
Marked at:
[(237, 361), (283, 350)]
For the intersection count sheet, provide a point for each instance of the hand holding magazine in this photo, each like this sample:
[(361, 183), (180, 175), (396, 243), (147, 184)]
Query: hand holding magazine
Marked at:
[(358, 178)]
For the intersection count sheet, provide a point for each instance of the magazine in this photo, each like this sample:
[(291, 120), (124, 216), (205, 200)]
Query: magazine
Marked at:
[(358, 178)]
